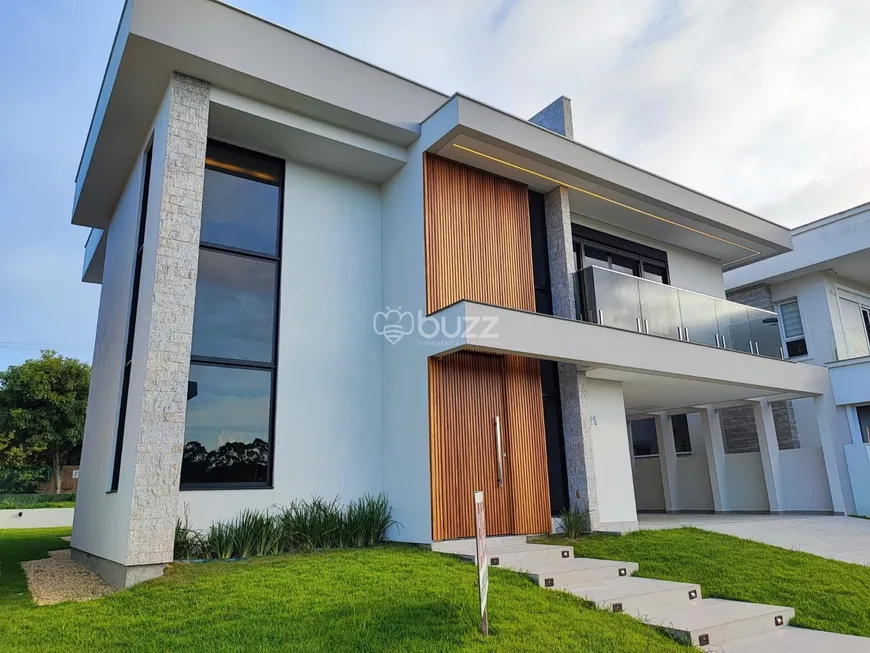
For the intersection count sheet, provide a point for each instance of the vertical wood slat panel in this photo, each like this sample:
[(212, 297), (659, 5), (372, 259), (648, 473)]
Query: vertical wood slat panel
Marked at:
[(478, 247), (478, 240), (527, 454), (466, 392)]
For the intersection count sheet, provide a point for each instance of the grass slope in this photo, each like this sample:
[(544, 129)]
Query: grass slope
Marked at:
[(826, 594), (390, 598)]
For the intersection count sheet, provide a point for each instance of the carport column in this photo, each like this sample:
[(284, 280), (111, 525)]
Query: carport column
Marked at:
[(668, 461), (576, 417), (714, 445), (768, 446), (826, 416)]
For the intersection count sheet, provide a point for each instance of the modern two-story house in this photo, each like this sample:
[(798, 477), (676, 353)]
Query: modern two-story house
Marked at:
[(321, 278), (821, 292)]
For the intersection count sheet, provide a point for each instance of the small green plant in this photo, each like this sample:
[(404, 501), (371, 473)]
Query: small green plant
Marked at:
[(254, 533), (367, 521), (315, 524), (189, 543), (303, 525), (575, 522)]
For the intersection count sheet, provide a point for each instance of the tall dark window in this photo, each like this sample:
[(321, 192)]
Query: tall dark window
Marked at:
[(556, 468), (864, 423), (131, 322), (228, 438)]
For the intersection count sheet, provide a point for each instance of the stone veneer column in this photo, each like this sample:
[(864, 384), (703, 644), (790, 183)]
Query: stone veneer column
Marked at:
[(576, 416), (160, 437)]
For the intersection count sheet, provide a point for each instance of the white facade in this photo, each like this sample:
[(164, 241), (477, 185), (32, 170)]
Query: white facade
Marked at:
[(828, 275), (351, 411)]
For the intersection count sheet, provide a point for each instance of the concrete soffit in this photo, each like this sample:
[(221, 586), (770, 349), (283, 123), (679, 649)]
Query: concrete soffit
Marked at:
[(609, 189)]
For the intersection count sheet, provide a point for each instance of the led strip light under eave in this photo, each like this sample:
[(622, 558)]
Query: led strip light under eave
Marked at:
[(607, 199)]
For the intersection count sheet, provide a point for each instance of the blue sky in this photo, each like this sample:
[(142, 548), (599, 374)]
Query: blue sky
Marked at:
[(761, 103)]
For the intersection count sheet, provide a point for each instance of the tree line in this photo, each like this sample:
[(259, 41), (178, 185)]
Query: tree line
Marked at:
[(43, 403)]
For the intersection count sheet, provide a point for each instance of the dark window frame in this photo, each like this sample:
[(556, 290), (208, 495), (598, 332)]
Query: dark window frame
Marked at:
[(863, 423), (132, 313), (233, 363), (551, 400), (795, 346), (679, 436), (642, 254)]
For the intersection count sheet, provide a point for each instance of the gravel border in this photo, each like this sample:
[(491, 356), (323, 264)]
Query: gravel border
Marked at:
[(57, 579)]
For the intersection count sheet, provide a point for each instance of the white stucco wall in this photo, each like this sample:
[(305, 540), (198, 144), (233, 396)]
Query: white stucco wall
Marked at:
[(694, 491), (648, 491), (804, 480), (102, 519), (687, 269), (611, 453), (746, 487), (328, 420), (858, 460), (36, 518)]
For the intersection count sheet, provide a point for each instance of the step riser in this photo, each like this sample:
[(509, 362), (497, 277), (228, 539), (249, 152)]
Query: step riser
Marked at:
[(721, 634), (519, 561), (635, 605), (566, 579)]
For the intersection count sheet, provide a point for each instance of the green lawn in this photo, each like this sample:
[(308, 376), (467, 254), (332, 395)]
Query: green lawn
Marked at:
[(826, 594), (390, 598), (29, 501)]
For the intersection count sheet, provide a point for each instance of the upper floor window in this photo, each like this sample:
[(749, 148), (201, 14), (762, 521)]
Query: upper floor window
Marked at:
[(604, 250), (793, 329), (233, 363), (855, 318)]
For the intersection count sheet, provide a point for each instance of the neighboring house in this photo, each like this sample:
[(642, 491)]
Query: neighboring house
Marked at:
[(821, 291), (320, 278)]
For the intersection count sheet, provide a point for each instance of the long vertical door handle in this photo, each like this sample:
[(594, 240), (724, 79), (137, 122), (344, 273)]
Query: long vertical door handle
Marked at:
[(498, 451)]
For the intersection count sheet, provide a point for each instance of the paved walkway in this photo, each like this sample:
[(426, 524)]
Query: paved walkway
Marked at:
[(839, 538)]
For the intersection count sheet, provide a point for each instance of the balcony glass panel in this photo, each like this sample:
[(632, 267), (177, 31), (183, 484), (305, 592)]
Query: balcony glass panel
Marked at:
[(615, 298), (627, 302), (734, 322), (765, 333), (700, 318), (660, 309)]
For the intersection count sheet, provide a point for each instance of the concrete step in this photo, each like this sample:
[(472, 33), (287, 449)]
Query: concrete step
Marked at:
[(715, 621), (469, 544), (794, 640), (576, 572), (635, 596), (519, 556)]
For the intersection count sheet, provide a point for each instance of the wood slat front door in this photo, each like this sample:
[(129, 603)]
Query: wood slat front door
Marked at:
[(466, 393)]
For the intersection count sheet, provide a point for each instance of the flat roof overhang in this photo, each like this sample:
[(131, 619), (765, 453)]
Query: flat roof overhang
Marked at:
[(657, 373), (600, 186), (203, 38)]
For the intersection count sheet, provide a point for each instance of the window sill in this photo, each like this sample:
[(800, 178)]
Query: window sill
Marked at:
[(655, 455), (224, 486)]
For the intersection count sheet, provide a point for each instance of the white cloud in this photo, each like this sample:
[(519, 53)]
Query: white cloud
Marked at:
[(761, 103)]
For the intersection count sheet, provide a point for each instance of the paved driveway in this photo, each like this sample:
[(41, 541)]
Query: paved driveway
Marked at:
[(840, 538)]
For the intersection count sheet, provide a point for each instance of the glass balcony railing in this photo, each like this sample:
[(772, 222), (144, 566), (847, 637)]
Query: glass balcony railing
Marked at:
[(626, 302)]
